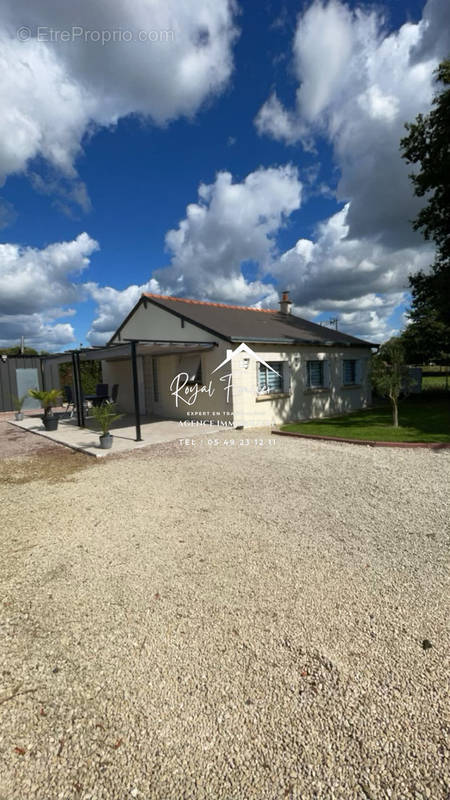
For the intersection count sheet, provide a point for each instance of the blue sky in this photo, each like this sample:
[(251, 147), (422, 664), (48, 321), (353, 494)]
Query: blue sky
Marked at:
[(300, 104)]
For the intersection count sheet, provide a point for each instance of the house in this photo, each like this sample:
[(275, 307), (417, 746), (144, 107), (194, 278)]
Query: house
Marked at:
[(236, 366)]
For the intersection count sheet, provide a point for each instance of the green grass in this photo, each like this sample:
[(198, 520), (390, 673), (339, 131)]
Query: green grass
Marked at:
[(423, 418), (431, 383)]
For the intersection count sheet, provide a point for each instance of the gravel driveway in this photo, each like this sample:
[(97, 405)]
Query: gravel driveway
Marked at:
[(226, 623)]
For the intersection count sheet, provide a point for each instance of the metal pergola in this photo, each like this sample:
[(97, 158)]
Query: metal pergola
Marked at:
[(128, 348)]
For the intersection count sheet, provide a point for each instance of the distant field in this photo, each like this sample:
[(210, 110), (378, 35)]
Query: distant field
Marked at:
[(435, 382)]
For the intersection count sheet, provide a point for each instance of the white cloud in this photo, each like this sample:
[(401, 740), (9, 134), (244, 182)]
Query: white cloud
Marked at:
[(357, 87), (231, 223), (53, 92), (36, 285), (363, 281), (358, 84), (37, 334), (112, 307)]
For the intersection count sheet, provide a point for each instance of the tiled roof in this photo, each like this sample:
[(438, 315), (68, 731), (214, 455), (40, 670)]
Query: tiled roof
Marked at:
[(208, 303), (245, 323)]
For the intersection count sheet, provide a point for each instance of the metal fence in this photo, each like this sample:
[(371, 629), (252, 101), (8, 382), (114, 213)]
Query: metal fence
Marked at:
[(18, 374)]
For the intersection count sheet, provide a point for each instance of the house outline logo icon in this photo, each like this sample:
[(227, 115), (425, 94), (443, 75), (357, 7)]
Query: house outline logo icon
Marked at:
[(244, 348)]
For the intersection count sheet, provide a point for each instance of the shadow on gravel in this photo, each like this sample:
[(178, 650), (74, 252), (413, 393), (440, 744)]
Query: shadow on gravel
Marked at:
[(54, 464)]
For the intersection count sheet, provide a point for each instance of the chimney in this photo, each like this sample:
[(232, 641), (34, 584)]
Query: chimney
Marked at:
[(285, 303)]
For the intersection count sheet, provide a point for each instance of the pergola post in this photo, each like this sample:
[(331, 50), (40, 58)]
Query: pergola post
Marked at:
[(75, 387), (137, 412), (78, 388)]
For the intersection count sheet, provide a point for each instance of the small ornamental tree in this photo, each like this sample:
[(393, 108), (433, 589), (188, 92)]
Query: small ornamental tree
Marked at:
[(19, 401), (390, 374), (46, 399), (105, 415)]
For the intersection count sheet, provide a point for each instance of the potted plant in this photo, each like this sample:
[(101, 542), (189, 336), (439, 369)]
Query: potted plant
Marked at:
[(18, 404), (47, 401), (105, 415)]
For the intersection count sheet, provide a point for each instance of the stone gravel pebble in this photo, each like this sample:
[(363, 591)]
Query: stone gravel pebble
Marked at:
[(227, 622)]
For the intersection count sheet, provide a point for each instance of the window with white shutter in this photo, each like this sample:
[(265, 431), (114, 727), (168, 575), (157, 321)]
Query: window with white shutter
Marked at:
[(350, 371), (270, 381), (315, 374)]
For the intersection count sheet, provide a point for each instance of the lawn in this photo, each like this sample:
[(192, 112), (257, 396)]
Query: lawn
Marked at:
[(423, 418), (431, 383)]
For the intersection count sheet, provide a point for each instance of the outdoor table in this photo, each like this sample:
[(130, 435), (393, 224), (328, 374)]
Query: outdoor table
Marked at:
[(95, 399)]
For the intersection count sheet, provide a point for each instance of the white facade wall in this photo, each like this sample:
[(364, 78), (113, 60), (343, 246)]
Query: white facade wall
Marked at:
[(157, 324), (298, 401), (194, 402), (120, 371)]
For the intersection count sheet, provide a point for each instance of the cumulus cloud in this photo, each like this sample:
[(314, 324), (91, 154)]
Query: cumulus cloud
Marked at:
[(112, 307), (36, 286), (360, 280), (230, 224), (358, 84), (52, 91)]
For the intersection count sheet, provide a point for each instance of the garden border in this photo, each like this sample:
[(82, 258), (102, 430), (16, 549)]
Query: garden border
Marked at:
[(366, 442)]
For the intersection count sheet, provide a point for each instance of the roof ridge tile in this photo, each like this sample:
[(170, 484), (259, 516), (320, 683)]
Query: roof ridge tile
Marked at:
[(208, 303)]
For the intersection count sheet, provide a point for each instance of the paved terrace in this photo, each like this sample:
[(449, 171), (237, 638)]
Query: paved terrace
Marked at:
[(86, 440)]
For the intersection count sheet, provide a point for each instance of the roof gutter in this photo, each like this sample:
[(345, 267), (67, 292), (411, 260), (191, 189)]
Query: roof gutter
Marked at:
[(327, 343)]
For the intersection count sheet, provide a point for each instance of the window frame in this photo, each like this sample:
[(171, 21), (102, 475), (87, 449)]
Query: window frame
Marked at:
[(278, 367), (355, 380), (155, 382), (198, 380), (321, 363)]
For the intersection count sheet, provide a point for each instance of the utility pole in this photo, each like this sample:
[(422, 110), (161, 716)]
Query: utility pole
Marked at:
[(22, 345)]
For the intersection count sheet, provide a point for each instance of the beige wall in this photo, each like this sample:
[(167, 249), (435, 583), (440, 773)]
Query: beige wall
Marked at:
[(213, 400), (207, 402), (244, 407), (120, 371), (157, 324), (299, 402)]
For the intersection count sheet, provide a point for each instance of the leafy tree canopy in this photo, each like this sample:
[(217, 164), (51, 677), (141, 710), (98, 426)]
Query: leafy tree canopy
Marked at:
[(427, 145), (389, 373)]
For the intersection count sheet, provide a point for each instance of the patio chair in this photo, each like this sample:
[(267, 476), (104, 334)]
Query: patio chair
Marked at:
[(69, 400), (101, 394), (101, 390)]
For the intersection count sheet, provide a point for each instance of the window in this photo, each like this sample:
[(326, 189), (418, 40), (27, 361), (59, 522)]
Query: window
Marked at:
[(270, 381), (349, 371), (155, 380), (316, 374), (192, 366)]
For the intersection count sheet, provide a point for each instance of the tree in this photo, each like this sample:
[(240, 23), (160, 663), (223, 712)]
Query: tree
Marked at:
[(427, 145), (47, 399), (426, 339), (16, 351), (389, 373)]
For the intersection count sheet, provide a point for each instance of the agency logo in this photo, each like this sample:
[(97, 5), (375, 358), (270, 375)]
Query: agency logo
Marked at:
[(243, 348), (185, 391)]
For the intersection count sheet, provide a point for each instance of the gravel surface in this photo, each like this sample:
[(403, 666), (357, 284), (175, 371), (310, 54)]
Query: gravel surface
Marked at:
[(227, 623), (16, 442)]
